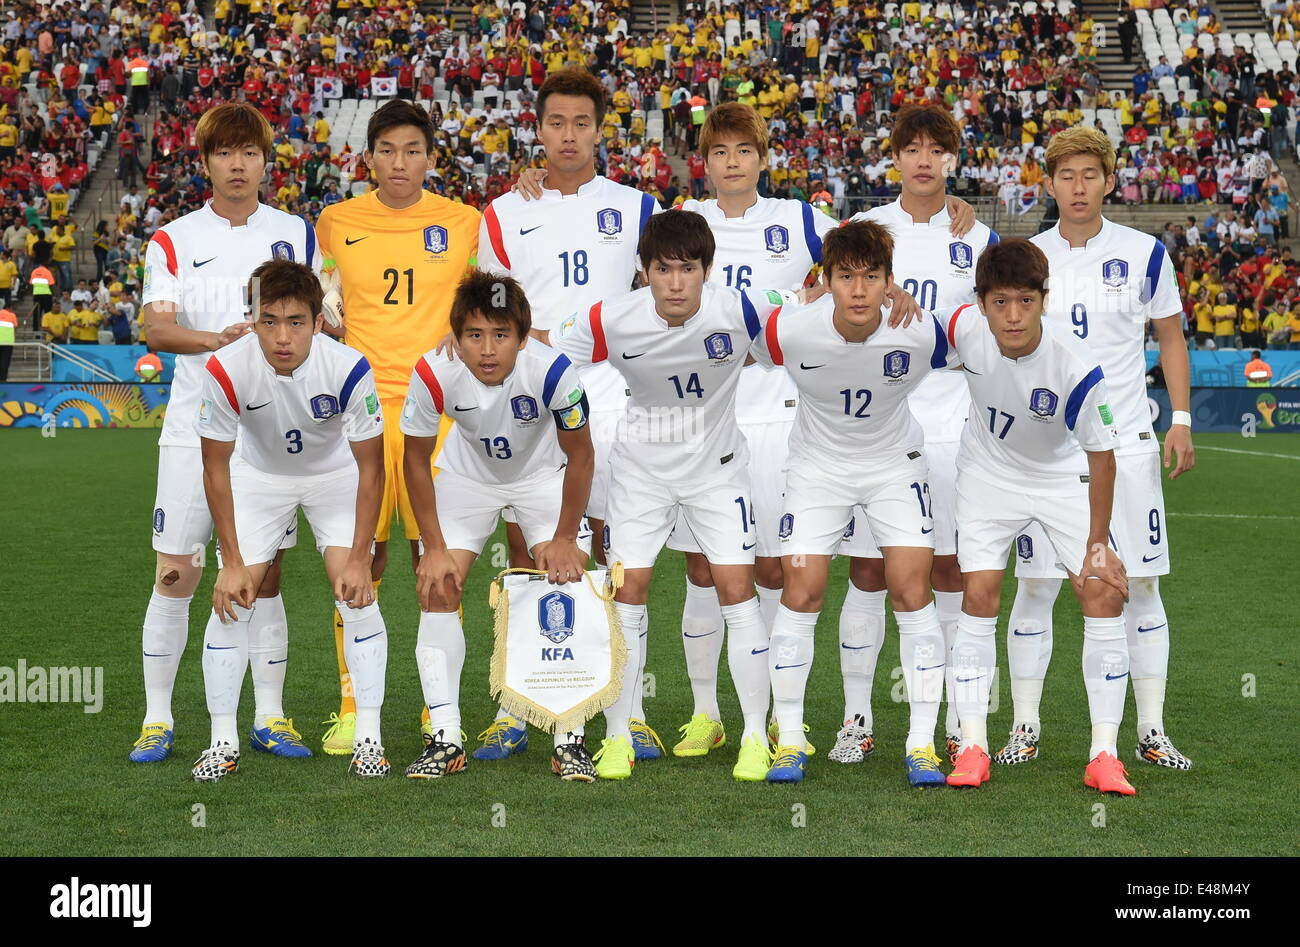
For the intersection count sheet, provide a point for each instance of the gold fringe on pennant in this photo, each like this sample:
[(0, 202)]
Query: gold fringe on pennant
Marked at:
[(528, 710)]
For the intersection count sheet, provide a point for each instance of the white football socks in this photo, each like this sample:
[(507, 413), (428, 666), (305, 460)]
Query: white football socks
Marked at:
[(1029, 646), (974, 660), (747, 650), (1148, 648), (948, 605), (440, 658), (702, 634), (638, 696), (768, 602), (225, 658), (619, 713), (166, 632), (922, 653), (862, 633), (365, 648), (268, 658), (789, 660), (1105, 677)]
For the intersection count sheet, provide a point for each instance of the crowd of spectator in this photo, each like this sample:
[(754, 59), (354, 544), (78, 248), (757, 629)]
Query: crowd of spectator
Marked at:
[(826, 74)]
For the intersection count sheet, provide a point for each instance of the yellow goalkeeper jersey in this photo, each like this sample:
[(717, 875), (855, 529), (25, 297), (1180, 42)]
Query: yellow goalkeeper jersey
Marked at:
[(399, 270)]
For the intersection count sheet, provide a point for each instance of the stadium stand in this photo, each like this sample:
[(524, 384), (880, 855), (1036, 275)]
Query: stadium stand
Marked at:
[(1198, 99)]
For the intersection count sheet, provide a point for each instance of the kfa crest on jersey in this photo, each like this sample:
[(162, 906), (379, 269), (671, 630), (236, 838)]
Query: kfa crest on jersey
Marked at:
[(524, 409), (609, 224), (718, 346), (897, 364), (324, 407), (282, 250), (555, 617), (961, 261), (436, 242), (776, 239), (1114, 273), (1042, 402)]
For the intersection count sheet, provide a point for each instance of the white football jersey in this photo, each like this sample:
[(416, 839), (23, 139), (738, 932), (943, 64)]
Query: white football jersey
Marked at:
[(853, 415), (772, 246), (1030, 418), (292, 425), (202, 264), (680, 422), (939, 270), (504, 432), (567, 252), (1104, 293)]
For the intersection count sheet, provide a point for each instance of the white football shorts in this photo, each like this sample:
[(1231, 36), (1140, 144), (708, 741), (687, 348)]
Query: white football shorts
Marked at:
[(643, 510), (893, 501), (770, 441), (266, 508), (182, 522), (860, 543), (1137, 524)]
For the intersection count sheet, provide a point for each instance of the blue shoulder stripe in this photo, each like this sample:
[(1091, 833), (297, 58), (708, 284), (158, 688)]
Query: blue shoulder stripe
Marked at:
[(358, 372), (752, 325), (1075, 402), (553, 376), (311, 241), (940, 357), (810, 234), (648, 204), (993, 238), (1154, 265)]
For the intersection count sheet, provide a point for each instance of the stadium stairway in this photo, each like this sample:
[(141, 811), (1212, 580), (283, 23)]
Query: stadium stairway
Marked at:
[(99, 202), (1115, 73), (1241, 16), (648, 16)]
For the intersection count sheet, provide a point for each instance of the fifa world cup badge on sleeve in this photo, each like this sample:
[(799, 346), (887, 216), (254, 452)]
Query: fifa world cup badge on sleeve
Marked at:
[(559, 652)]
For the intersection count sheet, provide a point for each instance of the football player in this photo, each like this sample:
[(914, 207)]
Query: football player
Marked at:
[(1108, 283), (520, 442), (569, 236), (938, 268), (1038, 447), (681, 344), (398, 252), (854, 445), (310, 429), (196, 273)]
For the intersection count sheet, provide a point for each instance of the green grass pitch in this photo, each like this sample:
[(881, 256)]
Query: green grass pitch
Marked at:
[(76, 574)]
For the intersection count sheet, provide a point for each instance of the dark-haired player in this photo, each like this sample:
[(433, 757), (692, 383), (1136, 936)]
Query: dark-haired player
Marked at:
[(309, 423), (196, 275), (571, 244), (855, 445), (939, 269), (399, 252), (1038, 447), (520, 442), (680, 343)]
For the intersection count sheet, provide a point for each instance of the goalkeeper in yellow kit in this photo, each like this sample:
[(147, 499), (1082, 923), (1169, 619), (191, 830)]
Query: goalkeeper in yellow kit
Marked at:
[(396, 256)]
